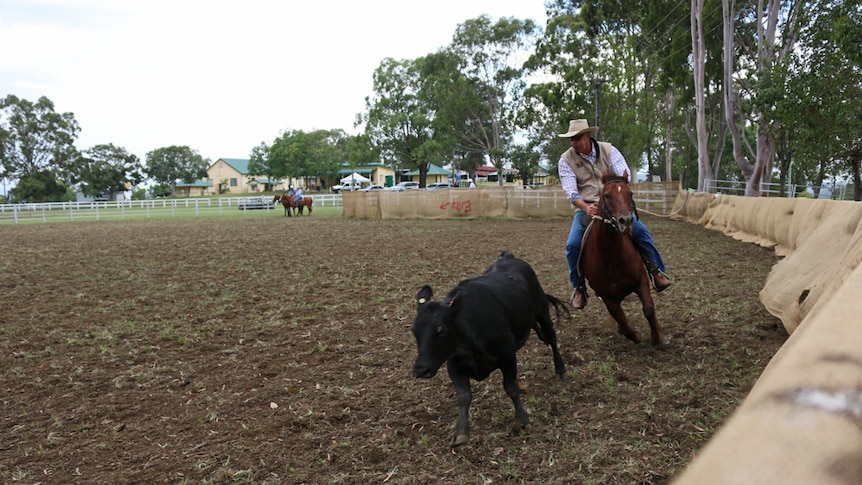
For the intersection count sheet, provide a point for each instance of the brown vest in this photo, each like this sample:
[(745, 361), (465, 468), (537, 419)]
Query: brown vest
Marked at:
[(590, 175)]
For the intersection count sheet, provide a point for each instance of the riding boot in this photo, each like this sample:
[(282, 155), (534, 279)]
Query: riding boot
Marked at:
[(660, 279), (579, 296)]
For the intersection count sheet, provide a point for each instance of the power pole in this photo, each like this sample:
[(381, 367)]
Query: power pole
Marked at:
[(597, 84)]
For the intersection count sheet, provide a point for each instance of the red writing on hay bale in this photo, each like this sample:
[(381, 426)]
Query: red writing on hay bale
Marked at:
[(459, 206)]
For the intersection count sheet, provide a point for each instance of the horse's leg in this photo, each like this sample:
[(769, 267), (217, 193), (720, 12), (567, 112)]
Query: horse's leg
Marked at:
[(657, 337), (616, 310)]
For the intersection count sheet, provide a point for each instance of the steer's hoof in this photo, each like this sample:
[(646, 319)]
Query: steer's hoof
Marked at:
[(518, 427), (460, 440)]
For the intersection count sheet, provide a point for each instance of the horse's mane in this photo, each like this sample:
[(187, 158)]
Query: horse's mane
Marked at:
[(609, 177)]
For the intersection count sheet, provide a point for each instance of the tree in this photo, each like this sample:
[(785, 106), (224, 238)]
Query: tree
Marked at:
[(526, 161), (35, 138), (41, 186), (260, 163), (822, 126), (399, 121), (490, 91), (628, 51), (329, 150), (301, 155), (698, 49), (167, 165), (776, 28), (360, 150), (106, 169)]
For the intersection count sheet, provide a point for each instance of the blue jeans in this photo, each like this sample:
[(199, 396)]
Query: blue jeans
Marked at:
[(640, 234)]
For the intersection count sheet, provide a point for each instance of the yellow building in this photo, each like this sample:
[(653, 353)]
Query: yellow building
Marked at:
[(378, 173), (230, 176)]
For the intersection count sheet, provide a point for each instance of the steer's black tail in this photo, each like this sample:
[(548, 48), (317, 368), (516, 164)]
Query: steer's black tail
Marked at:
[(548, 335), (544, 327)]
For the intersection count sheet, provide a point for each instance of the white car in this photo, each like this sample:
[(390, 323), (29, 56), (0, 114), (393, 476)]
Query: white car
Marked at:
[(439, 185), (356, 185), (372, 188), (402, 186)]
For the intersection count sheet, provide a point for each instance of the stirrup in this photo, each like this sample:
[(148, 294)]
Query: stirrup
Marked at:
[(579, 291), (659, 272)]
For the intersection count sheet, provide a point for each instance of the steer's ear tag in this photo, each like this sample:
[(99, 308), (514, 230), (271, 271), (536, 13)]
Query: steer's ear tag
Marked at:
[(422, 300), (452, 301)]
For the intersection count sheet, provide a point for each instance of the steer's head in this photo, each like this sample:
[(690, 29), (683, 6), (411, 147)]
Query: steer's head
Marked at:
[(434, 334)]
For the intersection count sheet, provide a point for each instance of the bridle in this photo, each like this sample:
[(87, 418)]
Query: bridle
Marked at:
[(603, 211)]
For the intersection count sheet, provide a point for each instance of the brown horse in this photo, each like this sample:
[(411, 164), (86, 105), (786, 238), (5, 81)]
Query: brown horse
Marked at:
[(611, 261), (290, 205), (305, 202)]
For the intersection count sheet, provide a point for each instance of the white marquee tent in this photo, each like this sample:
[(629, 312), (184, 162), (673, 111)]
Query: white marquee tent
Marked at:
[(356, 177)]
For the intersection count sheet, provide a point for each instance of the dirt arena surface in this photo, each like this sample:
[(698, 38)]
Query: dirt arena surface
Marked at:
[(275, 350)]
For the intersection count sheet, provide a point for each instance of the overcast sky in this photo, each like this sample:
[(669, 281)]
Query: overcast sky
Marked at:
[(219, 77)]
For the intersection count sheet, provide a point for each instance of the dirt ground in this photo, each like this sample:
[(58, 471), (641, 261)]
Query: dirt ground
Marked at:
[(275, 350)]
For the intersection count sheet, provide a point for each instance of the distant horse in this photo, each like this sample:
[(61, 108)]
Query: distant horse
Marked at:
[(305, 202), (611, 261), (288, 203)]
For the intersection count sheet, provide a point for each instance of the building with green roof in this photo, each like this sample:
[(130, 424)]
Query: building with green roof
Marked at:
[(230, 175)]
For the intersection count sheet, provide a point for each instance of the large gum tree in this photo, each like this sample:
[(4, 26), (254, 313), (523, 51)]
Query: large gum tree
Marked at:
[(36, 141)]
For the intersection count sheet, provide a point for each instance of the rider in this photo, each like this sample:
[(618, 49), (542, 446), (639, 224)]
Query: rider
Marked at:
[(297, 195), (580, 170)]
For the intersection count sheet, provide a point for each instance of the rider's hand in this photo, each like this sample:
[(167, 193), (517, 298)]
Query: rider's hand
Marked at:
[(593, 210)]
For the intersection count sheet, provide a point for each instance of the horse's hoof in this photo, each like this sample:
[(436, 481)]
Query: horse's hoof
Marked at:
[(663, 344), (460, 440)]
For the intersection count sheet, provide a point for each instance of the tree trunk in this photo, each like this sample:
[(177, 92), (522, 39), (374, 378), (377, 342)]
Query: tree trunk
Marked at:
[(856, 164), (728, 13), (821, 175), (784, 163), (668, 128), (698, 49)]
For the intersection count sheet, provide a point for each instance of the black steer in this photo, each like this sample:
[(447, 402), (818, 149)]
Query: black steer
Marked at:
[(478, 328)]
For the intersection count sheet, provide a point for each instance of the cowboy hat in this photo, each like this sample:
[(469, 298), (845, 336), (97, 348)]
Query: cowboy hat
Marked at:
[(576, 127)]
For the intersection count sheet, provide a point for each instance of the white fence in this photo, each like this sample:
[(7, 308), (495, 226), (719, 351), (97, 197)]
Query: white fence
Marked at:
[(95, 211), (737, 187)]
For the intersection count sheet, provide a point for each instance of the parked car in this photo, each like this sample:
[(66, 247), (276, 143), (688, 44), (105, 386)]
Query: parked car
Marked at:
[(372, 188), (402, 186), (356, 185), (251, 203), (439, 185)]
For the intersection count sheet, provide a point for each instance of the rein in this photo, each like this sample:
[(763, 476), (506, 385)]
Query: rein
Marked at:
[(604, 216)]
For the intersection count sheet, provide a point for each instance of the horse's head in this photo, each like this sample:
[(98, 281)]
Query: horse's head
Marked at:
[(617, 203)]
